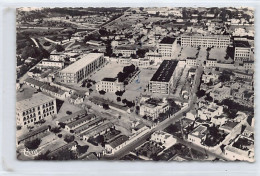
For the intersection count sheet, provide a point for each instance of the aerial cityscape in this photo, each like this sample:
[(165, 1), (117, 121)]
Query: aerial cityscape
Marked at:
[(135, 84)]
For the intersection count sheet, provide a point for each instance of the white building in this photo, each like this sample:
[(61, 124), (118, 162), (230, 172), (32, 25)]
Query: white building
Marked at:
[(33, 109), (153, 107), (110, 85), (82, 68), (220, 41), (51, 63), (166, 139), (166, 47)]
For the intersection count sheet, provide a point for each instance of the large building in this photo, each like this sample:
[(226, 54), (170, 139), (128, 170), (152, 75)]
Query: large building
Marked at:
[(166, 47), (219, 41), (162, 79), (110, 85), (242, 50), (81, 68), (33, 109)]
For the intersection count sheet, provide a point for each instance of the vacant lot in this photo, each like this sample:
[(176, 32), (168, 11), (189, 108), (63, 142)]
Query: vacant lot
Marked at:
[(139, 84), (109, 70)]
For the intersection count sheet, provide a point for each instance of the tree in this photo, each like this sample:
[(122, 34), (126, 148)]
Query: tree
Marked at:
[(82, 149), (133, 56), (200, 93), (55, 130), (119, 93), (32, 145), (102, 92), (141, 53), (46, 43), (69, 138), (68, 112), (106, 106), (59, 48), (118, 99)]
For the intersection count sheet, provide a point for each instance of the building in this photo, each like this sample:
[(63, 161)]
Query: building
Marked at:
[(198, 135), (166, 139), (248, 65), (33, 83), (81, 68), (55, 91), (219, 41), (55, 153), (38, 133), (191, 61), (34, 109), (116, 144), (162, 79), (86, 126), (125, 51), (166, 47), (220, 93), (153, 107), (51, 63), (211, 62), (242, 148), (98, 130), (110, 85), (242, 50), (208, 112), (79, 121)]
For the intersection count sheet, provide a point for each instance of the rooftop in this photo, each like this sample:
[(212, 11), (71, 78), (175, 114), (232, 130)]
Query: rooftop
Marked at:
[(34, 82), (118, 141), (167, 40), (80, 121), (53, 89), (199, 131), (36, 100), (32, 133), (165, 71), (241, 43), (81, 63), (229, 125), (109, 79), (98, 129)]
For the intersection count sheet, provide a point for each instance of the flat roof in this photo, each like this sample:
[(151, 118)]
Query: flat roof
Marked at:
[(165, 71), (36, 100), (109, 79), (241, 43), (167, 40), (81, 63)]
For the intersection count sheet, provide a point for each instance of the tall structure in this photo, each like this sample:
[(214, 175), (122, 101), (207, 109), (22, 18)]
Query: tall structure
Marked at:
[(166, 47), (81, 68), (33, 109), (242, 50), (110, 85), (219, 41), (162, 79)]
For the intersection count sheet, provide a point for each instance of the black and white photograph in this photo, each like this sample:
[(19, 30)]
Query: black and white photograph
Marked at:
[(135, 84)]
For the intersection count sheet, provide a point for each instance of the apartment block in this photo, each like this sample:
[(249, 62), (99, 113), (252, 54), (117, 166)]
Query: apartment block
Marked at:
[(81, 68), (33, 109)]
